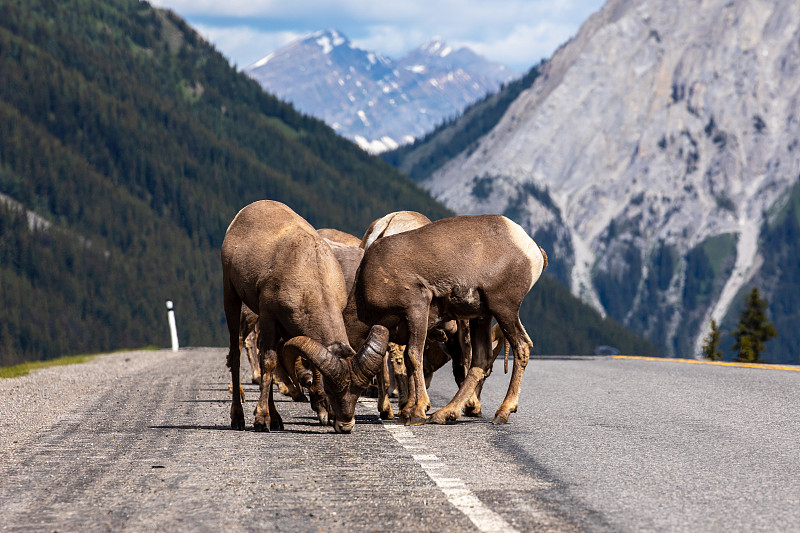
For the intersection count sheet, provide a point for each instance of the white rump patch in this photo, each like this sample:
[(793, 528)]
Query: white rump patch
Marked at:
[(527, 247)]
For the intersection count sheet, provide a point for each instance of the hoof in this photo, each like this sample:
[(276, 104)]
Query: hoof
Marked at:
[(387, 415), (500, 418), (276, 425), (237, 418), (474, 414), (416, 421), (442, 417), (258, 426), (441, 420)]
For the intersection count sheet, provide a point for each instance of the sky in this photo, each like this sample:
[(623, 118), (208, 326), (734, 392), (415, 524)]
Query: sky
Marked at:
[(515, 33)]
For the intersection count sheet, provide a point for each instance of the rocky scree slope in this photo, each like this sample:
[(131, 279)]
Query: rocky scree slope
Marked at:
[(656, 159)]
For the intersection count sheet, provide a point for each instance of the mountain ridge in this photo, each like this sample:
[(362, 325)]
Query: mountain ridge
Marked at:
[(378, 102), (128, 144), (646, 156)]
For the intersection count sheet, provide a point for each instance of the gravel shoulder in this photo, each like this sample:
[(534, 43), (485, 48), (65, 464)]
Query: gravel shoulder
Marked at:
[(30, 404)]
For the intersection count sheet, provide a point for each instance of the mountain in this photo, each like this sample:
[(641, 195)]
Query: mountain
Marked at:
[(376, 101), (656, 157), (128, 144)]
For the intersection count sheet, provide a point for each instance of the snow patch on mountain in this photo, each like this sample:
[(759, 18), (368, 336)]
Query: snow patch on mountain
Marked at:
[(376, 101)]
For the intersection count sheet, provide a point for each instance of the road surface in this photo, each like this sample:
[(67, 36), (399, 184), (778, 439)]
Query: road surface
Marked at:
[(140, 441)]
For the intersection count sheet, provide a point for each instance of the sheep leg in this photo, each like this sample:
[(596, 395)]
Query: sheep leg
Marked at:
[(252, 356), (481, 347), (409, 387), (275, 421), (233, 309), (287, 371), (396, 355), (286, 386), (464, 347), (266, 416), (319, 402), (415, 411), (473, 407), (384, 406), (522, 344)]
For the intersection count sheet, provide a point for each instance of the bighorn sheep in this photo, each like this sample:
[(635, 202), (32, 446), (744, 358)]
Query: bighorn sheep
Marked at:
[(394, 372), (274, 262), (435, 354), (293, 369), (466, 267)]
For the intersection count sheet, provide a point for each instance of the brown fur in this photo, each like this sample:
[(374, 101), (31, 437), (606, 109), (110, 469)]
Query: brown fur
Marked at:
[(392, 224), (472, 267), (275, 262), (339, 236), (394, 375), (349, 258), (282, 376)]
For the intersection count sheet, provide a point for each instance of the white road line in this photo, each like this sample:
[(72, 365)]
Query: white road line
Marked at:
[(454, 489)]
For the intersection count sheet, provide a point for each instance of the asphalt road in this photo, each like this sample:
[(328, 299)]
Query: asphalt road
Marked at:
[(141, 442)]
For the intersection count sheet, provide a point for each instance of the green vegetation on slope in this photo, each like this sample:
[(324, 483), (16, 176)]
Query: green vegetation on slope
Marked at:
[(558, 323), (778, 280), (139, 143), (135, 143)]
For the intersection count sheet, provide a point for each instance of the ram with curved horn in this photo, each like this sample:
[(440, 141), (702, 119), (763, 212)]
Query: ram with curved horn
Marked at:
[(275, 263)]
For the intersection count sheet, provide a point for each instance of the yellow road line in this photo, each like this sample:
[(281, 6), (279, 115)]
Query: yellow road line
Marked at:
[(721, 363)]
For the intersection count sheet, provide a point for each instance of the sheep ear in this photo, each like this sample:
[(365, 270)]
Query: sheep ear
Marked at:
[(369, 359), (329, 364)]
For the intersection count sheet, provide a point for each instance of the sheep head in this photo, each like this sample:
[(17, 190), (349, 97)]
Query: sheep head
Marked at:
[(345, 372)]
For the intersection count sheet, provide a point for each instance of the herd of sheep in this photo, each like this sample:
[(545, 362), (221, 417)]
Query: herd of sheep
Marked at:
[(322, 306)]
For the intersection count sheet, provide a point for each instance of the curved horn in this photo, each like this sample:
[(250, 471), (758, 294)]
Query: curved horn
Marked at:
[(330, 365), (369, 359)]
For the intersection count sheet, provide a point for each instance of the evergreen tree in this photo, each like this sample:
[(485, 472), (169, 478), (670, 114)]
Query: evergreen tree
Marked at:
[(712, 341), (753, 329)]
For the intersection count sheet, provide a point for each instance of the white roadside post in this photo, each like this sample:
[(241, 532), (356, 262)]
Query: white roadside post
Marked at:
[(172, 329)]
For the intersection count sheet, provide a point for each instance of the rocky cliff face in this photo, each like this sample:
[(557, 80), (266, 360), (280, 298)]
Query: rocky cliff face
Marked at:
[(376, 101), (649, 156)]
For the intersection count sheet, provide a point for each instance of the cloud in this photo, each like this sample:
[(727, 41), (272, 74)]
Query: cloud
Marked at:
[(517, 33), (524, 45), (243, 45)]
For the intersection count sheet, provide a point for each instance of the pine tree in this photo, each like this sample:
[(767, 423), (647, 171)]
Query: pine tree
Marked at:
[(712, 341), (753, 329)]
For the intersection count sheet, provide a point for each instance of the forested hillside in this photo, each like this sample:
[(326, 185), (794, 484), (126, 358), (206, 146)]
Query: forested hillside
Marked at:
[(139, 143), (127, 144)]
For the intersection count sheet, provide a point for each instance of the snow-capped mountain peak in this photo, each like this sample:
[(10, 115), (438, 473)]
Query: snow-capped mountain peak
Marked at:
[(378, 102), (328, 40), (436, 46)]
